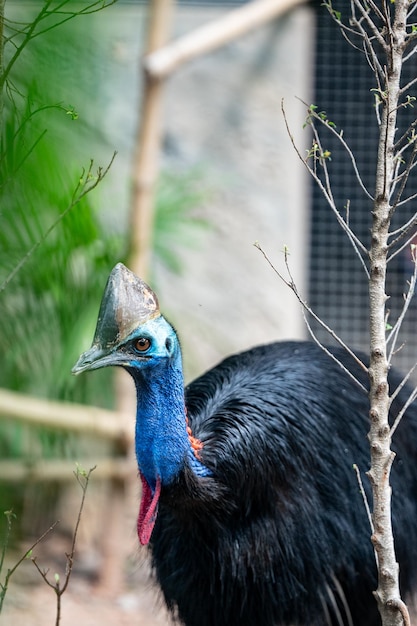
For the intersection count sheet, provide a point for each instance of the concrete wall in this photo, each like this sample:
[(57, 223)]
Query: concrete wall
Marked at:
[(233, 121)]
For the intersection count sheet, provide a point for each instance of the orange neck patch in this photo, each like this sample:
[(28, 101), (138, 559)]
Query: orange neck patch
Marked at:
[(195, 443)]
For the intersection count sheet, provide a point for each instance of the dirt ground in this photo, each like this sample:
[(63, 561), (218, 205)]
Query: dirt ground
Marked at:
[(82, 605), (30, 602)]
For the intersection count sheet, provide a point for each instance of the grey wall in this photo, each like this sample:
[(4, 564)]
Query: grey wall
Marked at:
[(224, 111)]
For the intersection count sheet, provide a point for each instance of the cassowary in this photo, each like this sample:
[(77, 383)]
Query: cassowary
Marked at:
[(250, 503)]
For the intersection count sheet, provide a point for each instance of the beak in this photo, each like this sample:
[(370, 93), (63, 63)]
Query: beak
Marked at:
[(96, 357)]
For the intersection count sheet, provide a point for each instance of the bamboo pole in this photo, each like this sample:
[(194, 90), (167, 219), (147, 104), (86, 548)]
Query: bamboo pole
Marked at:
[(63, 416), (162, 63), (145, 172), (62, 470), (147, 152)]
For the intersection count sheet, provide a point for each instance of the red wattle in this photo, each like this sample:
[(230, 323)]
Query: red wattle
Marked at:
[(148, 510)]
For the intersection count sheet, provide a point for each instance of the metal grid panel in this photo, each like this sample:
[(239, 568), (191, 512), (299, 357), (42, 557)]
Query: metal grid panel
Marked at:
[(338, 287)]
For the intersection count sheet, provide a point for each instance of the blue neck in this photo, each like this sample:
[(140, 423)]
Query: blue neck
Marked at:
[(162, 443)]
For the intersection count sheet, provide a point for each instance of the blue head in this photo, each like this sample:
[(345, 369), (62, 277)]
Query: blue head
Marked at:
[(133, 334)]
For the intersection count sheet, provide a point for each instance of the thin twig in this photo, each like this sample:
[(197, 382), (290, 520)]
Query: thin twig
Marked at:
[(400, 233), (83, 479), (72, 15), (407, 200), (408, 56), (11, 571), (405, 176), (326, 190), (31, 28), (410, 400), (327, 351), (405, 137), (346, 147), (85, 184), (403, 382), (291, 284), (364, 496), (402, 608), (412, 82), (375, 8), (393, 337), (373, 28)]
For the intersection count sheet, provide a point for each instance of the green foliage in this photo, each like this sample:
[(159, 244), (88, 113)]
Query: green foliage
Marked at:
[(409, 101), (48, 305), (49, 308), (55, 249), (52, 234), (317, 154), (337, 15), (321, 115)]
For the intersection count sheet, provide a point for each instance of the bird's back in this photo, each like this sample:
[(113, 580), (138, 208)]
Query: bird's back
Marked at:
[(279, 534)]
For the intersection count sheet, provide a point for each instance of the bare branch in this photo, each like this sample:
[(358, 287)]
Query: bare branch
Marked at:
[(373, 62), (291, 284), (405, 137), (319, 156), (412, 82), (357, 30), (346, 147), (412, 9), (364, 497), (407, 199), (393, 336), (410, 400), (375, 8), (402, 384), (83, 479), (11, 571), (410, 41), (371, 24), (344, 31), (408, 242), (323, 347), (326, 190), (404, 177), (43, 572), (402, 608)]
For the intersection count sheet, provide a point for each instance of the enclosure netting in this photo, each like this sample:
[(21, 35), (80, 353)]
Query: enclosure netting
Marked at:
[(337, 282)]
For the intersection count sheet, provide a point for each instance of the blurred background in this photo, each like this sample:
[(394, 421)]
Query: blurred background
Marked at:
[(227, 176)]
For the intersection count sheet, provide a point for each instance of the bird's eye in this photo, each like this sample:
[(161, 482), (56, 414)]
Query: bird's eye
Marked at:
[(142, 344)]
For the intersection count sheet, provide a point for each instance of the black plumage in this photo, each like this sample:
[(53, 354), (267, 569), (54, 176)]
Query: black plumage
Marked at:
[(251, 506), (283, 532)]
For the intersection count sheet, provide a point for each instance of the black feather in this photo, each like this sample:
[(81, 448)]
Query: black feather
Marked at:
[(279, 533)]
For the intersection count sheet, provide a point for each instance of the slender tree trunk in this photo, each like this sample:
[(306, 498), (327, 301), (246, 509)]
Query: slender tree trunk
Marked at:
[(393, 611)]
